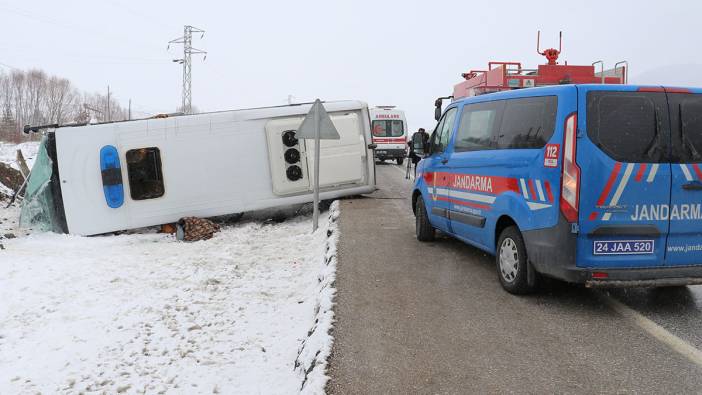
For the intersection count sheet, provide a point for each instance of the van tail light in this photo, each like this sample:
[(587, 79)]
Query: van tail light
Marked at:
[(570, 176)]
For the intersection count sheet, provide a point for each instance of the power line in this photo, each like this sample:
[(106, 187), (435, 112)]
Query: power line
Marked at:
[(186, 61), (83, 55), (153, 19), (70, 26)]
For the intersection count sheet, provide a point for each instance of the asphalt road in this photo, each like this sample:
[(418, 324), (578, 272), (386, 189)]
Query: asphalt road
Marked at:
[(432, 318)]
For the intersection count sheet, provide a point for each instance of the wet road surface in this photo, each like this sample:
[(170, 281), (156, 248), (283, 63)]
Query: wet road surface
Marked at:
[(432, 318)]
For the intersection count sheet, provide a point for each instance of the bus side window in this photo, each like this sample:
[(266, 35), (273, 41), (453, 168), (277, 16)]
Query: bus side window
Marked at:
[(145, 175)]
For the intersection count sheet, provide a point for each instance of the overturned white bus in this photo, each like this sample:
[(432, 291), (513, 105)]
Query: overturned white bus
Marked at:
[(100, 178)]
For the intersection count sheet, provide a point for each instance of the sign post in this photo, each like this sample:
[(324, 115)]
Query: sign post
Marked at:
[(318, 126)]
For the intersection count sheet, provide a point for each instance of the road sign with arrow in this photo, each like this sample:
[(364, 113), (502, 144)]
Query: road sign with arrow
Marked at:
[(318, 126)]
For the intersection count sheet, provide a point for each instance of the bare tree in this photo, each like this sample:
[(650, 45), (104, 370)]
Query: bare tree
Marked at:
[(33, 97), (96, 105), (18, 83), (8, 125), (61, 100)]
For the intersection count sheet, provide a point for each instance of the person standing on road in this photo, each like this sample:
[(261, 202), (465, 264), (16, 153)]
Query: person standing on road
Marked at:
[(414, 158), (425, 140)]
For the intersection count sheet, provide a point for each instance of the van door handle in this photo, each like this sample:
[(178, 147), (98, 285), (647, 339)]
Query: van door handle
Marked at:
[(693, 186), (444, 161)]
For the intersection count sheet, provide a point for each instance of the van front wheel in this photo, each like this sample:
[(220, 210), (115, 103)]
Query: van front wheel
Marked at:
[(511, 259), (400, 160), (423, 228)]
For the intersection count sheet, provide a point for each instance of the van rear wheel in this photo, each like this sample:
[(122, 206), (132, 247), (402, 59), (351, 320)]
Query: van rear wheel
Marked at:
[(400, 160), (423, 228), (511, 259)]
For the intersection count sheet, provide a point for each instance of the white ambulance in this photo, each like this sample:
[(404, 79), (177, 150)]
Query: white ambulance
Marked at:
[(389, 133)]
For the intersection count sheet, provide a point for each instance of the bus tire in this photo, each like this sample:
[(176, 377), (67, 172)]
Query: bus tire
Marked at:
[(400, 160), (423, 228), (511, 260)]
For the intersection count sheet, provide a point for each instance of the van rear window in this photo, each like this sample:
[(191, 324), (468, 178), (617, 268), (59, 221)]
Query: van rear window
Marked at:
[(388, 128), (628, 126), (686, 118)]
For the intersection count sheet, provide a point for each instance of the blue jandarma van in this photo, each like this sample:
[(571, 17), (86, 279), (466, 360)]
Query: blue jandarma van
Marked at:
[(593, 184)]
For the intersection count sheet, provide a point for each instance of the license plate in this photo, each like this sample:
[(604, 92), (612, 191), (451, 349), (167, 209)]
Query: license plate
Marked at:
[(623, 247)]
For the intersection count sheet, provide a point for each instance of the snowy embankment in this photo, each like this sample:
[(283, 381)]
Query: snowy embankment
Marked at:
[(8, 155), (5, 191), (248, 311)]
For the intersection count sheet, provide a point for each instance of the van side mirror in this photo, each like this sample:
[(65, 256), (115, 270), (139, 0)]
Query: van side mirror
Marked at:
[(437, 104), (437, 108)]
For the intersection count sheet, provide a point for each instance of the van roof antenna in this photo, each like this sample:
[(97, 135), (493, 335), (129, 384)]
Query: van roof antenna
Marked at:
[(551, 54)]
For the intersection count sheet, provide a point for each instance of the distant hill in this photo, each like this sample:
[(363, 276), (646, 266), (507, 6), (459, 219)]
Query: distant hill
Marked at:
[(671, 75)]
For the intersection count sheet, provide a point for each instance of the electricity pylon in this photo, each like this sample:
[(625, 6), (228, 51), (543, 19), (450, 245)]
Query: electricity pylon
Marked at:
[(188, 51)]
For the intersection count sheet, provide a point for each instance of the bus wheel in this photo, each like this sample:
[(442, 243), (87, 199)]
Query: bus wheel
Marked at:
[(511, 259), (400, 160), (423, 228)]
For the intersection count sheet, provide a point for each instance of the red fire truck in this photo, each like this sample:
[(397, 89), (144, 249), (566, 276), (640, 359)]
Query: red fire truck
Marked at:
[(500, 76)]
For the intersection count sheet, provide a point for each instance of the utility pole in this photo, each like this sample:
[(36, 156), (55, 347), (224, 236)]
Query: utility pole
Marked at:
[(130, 110), (95, 110), (188, 50)]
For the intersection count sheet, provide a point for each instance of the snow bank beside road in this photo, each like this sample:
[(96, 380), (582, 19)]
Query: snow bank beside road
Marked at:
[(312, 359), (5, 191), (248, 311), (8, 153)]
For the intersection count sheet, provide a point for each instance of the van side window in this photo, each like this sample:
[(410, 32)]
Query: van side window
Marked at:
[(145, 176), (442, 134), (629, 126), (527, 122), (477, 126)]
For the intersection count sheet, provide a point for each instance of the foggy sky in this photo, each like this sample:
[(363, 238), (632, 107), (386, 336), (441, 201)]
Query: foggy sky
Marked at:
[(386, 53)]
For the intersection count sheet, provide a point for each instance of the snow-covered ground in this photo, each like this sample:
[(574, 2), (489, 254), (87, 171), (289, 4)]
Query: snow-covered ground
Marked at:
[(9, 218), (8, 153), (5, 191), (248, 311)]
